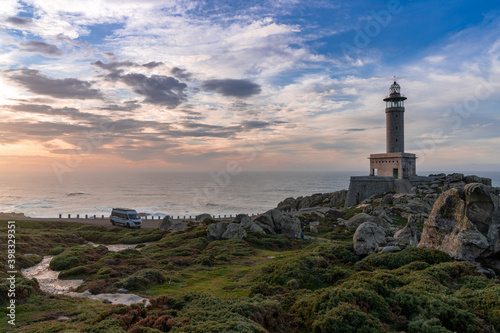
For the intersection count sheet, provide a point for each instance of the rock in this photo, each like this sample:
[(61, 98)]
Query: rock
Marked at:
[(476, 179), (234, 230), (313, 229), (243, 219), (122, 290), (314, 224), (409, 234), (173, 226), (388, 199), (368, 209), (256, 228), (276, 222), (335, 213), (368, 238), (358, 219), (455, 177), (465, 224), (202, 217), (216, 230), (337, 198), (315, 200)]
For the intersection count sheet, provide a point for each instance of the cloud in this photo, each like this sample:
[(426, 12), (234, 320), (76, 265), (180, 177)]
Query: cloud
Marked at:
[(19, 20), (253, 124), (232, 87), (41, 47), (128, 106), (356, 129), (152, 64), (38, 83), (180, 73), (113, 66), (158, 89)]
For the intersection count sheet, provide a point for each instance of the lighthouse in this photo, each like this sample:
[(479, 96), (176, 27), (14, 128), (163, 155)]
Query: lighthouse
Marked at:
[(395, 162)]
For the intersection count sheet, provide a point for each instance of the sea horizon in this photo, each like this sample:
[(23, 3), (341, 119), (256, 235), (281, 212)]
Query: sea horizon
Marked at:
[(174, 193)]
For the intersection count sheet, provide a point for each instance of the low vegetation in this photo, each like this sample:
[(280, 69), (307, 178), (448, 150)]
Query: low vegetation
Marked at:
[(264, 283)]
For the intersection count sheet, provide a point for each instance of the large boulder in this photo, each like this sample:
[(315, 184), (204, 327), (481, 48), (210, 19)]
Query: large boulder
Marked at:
[(358, 219), (173, 226), (410, 234), (216, 230), (234, 230), (465, 224), (200, 218), (276, 222), (368, 238)]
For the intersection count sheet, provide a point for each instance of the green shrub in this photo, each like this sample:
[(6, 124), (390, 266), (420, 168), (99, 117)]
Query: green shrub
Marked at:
[(25, 262), (73, 273), (64, 261), (142, 279), (346, 318), (56, 251), (395, 260), (24, 289)]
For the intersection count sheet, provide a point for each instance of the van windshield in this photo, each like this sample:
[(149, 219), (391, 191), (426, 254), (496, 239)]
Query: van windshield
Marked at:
[(133, 216)]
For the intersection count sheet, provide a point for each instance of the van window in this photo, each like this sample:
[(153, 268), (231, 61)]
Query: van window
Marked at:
[(133, 216)]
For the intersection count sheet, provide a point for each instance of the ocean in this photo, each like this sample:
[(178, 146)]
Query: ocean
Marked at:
[(167, 193)]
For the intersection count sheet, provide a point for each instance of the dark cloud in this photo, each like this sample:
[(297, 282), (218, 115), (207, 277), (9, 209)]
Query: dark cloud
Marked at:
[(113, 66), (232, 87), (41, 47), (127, 106), (356, 129), (152, 64), (38, 83), (158, 89), (252, 124), (19, 20), (180, 73)]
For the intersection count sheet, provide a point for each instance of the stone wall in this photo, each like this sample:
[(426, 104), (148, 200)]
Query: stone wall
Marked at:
[(363, 187)]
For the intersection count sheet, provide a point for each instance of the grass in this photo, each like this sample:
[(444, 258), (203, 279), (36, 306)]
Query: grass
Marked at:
[(263, 283)]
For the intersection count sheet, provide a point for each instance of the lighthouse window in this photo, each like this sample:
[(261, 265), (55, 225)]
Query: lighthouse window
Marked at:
[(396, 115), (396, 127)]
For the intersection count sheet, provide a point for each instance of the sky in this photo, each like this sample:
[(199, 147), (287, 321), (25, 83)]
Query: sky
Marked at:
[(245, 85)]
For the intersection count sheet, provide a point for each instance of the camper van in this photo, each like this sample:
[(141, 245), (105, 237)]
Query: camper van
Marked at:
[(125, 217)]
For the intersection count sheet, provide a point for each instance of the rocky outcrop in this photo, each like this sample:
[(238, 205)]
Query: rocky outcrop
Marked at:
[(368, 238), (276, 222), (410, 234), (315, 200), (465, 223), (246, 222), (173, 226)]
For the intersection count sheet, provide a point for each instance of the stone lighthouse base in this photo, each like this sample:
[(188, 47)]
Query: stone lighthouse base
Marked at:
[(395, 165)]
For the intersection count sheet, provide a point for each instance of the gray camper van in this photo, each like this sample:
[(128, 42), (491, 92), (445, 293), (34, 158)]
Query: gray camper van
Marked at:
[(125, 217)]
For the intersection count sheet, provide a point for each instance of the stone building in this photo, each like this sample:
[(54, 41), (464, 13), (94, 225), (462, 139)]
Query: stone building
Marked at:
[(395, 162)]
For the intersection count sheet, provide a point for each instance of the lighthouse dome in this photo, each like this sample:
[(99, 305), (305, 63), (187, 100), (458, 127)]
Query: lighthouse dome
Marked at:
[(395, 88)]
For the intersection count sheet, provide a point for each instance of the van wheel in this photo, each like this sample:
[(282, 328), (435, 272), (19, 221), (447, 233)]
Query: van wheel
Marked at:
[(113, 222), (128, 225)]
